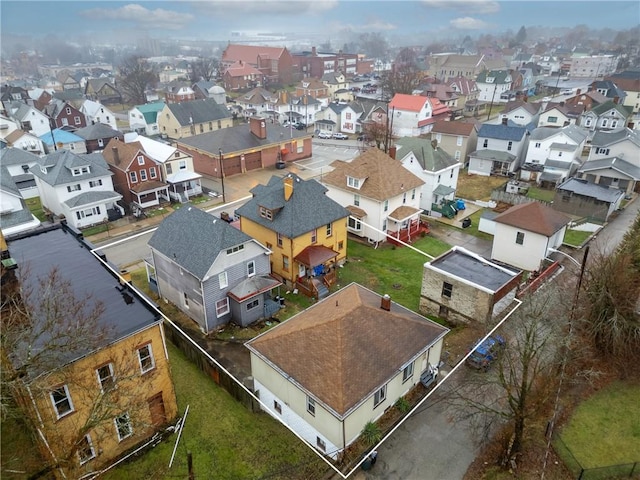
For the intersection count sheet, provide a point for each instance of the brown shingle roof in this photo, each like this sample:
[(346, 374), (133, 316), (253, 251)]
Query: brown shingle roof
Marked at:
[(453, 128), (384, 177), (126, 152), (534, 217), (345, 347)]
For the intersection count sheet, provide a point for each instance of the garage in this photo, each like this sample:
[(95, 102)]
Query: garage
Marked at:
[(253, 160), (232, 166)]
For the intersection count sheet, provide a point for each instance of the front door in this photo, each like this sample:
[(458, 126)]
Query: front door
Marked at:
[(156, 409)]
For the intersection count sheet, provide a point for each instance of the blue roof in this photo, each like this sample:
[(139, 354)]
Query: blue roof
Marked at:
[(60, 136), (502, 132)]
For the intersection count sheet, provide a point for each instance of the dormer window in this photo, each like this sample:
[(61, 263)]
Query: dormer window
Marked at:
[(266, 213), (353, 182)]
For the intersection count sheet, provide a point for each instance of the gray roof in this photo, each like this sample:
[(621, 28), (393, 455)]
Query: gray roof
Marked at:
[(18, 217), (430, 159), (502, 132), (613, 163), (602, 138), (88, 198), (577, 134), (198, 111), (7, 183), (99, 130), (16, 156), (197, 251), (307, 208), (561, 164), (565, 147), (239, 138), (587, 189), (488, 154), (61, 163)]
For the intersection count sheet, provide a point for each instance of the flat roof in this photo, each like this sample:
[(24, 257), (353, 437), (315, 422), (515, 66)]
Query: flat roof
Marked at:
[(472, 268)]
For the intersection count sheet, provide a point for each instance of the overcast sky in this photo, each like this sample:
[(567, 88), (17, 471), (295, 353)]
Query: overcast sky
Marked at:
[(214, 20)]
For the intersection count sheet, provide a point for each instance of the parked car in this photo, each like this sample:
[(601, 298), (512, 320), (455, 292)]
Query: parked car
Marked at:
[(485, 353), (340, 136), (300, 126), (363, 138), (324, 135)]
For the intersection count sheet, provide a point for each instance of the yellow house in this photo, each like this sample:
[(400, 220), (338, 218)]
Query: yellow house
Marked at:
[(305, 230), (96, 380), (186, 119)]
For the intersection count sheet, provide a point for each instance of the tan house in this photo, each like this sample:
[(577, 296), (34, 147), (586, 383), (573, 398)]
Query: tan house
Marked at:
[(342, 363), (185, 119), (458, 139), (95, 400)]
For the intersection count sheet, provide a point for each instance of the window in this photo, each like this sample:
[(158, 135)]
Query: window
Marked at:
[(279, 240), (354, 224), (285, 263), (413, 194), (277, 407), (222, 307), (329, 230), (520, 238), (105, 377), (182, 164), (100, 142), (235, 249), (123, 426), (253, 304), (185, 300), (145, 356), (140, 160), (222, 280), (251, 268), (311, 406), (353, 182), (356, 200), (537, 145), (552, 119), (314, 235), (152, 172), (340, 245), (447, 289), (321, 444), (143, 175), (73, 188), (385, 206), (76, 120), (459, 141), (604, 122), (404, 197), (602, 151), (95, 183), (485, 144), (379, 396), (407, 372), (266, 213), (89, 212), (62, 401), (509, 146), (85, 450), (68, 110), (457, 157), (169, 170), (133, 176)]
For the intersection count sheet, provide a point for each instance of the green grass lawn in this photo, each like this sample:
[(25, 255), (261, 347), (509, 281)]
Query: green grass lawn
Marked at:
[(389, 270), (576, 238), (225, 439), (605, 429), (541, 194), (35, 206)]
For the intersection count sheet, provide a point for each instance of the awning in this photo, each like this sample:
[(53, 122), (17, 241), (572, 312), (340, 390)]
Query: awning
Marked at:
[(356, 212), (253, 286), (403, 213), (443, 190), (284, 151), (315, 255)]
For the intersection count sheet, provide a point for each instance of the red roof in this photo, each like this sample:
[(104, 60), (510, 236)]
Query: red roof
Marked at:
[(250, 53), (428, 121), (438, 107), (239, 69), (413, 103)]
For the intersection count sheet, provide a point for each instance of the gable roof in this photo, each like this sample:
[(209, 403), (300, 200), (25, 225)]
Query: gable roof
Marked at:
[(343, 348), (60, 135), (534, 217), (413, 103), (159, 151), (250, 53), (240, 69), (16, 156), (577, 134), (96, 131), (453, 128), (593, 190), (602, 138), (150, 111), (197, 251), (611, 105), (530, 108), (198, 111), (502, 132), (612, 163), (430, 159), (307, 208), (61, 163), (463, 85), (119, 154), (499, 76), (384, 177)]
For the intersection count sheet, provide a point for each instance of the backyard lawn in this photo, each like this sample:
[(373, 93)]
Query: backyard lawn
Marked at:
[(576, 238), (35, 206), (477, 187)]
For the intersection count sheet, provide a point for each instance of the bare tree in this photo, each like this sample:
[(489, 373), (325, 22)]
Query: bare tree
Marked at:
[(378, 133), (374, 45), (404, 77), (203, 69), (136, 75)]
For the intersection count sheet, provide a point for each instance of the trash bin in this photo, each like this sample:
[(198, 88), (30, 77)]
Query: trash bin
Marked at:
[(466, 223)]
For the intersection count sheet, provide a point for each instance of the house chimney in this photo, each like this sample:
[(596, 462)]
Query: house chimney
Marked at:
[(392, 152), (504, 120), (258, 127), (616, 100), (116, 155), (288, 187), (314, 52), (385, 302)]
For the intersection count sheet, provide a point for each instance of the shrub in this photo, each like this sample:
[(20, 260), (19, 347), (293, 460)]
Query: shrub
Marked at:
[(402, 405), (371, 433)]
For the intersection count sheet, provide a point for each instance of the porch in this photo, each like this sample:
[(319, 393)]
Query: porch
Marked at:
[(149, 194), (413, 230), (316, 270)]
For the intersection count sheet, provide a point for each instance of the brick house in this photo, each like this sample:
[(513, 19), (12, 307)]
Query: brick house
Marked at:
[(275, 63)]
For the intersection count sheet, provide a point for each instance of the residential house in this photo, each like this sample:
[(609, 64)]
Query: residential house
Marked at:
[(257, 102), (612, 172), (468, 94), (560, 114), (623, 143), (314, 87), (29, 118), (520, 112), (275, 64), (589, 99), (240, 76), (98, 398), (447, 96), (68, 81), (630, 83), (143, 119), (335, 82), (62, 139), (465, 288), (236, 150), (304, 369), (553, 154), (438, 170), (77, 187), (7, 126), (446, 66), (95, 112), (136, 175), (18, 163), (206, 89), (216, 274), (500, 149), (176, 167), (609, 89), (492, 84), (580, 198), (12, 93), (606, 116), (304, 228), (585, 65), (524, 234), (97, 136), (15, 216), (180, 120), (382, 197), (102, 90), (317, 64), (64, 114), (25, 141), (458, 139), (411, 115), (179, 91)]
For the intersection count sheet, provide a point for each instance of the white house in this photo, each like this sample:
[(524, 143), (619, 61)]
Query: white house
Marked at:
[(560, 114), (15, 217), (499, 149), (525, 233), (606, 116), (144, 118), (98, 113), (520, 112), (342, 363), (25, 141), (623, 143), (18, 163), (78, 187), (7, 126), (410, 115), (381, 196), (29, 118), (492, 84), (438, 169)]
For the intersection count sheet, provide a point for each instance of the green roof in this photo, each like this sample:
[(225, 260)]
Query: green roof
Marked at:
[(150, 111)]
